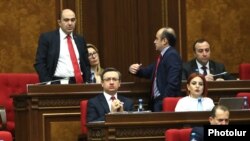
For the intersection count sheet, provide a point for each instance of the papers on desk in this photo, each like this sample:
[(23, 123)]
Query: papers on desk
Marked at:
[(223, 73), (96, 122)]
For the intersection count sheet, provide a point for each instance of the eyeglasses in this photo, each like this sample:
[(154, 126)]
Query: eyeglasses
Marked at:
[(109, 79), (94, 54)]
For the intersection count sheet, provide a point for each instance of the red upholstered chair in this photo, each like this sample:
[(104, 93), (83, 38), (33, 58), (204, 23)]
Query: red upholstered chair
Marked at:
[(178, 134), (83, 106), (243, 94), (169, 104), (244, 71), (13, 84), (5, 136)]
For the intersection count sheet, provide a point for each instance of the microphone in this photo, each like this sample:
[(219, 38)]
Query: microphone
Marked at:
[(49, 82)]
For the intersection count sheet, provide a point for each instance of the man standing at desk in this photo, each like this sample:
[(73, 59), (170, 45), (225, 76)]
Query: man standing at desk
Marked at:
[(165, 74), (109, 100), (62, 54)]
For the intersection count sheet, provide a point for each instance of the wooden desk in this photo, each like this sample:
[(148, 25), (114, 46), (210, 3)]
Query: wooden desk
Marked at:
[(52, 112), (152, 126)]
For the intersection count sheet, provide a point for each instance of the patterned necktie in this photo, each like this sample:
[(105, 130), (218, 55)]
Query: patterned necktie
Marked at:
[(204, 68), (112, 98), (77, 71)]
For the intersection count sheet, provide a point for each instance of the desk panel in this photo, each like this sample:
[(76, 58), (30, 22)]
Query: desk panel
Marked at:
[(46, 108), (152, 126)]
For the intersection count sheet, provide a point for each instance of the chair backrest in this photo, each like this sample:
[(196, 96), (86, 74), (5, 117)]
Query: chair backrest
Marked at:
[(13, 84), (243, 94), (178, 134), (83, 105), (169, 104), (5, 136), (244, 71)]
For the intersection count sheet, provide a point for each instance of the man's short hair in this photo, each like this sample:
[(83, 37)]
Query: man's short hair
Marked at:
[(169, 34), (111, 69), (201, 40), (221, 107)]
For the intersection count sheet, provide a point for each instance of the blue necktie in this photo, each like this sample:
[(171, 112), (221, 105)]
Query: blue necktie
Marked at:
[(93, 77), (199, 106)]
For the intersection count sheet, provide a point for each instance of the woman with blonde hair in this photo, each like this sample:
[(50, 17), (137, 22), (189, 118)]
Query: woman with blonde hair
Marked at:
[(94, 61)]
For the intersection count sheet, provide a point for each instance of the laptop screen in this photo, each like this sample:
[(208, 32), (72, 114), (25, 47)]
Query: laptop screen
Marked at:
[(233, 103)]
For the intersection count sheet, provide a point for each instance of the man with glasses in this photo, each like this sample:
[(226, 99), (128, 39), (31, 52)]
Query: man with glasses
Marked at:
[(219, 116), (109, 100)]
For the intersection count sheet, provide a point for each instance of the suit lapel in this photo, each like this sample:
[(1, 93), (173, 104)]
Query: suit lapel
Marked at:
[(57, 45), (104, 103), (194, 66), (211, 67)]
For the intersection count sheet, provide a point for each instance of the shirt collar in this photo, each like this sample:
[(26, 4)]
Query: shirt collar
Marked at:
[(164, 50), (108, 96), (64, 35), (199, 65)]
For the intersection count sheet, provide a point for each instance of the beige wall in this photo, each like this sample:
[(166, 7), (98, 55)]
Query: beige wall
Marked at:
[(225, 23), (21, 22)]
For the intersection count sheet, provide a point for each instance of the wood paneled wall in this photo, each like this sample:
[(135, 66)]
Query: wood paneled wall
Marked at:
[(124, 30), (225, 24)]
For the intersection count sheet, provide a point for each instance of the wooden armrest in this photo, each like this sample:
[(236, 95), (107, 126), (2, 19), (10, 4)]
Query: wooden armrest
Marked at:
[(3, 117)]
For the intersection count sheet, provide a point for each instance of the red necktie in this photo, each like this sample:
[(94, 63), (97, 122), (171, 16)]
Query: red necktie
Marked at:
[(77, 71), (112, 98), (156, 68)]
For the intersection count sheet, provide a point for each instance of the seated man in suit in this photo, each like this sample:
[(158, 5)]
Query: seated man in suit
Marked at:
[(109, 100), (219, 116), (203, 65)]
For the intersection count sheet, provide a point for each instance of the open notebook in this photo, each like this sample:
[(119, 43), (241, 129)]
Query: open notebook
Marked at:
[(233, 103)]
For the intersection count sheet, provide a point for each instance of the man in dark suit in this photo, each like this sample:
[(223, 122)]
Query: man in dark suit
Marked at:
[(53, 60), (165, 74), (219, 116), (203, 65), (109, 100)]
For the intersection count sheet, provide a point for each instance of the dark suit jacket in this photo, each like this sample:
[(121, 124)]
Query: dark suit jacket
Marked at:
[(48, 53), (168, 77), (98, 107), (214, 67), (199, 133)]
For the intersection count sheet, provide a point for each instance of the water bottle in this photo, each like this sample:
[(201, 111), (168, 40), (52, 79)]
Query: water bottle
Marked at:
[(193, 137), (245, 104), (140, 105)]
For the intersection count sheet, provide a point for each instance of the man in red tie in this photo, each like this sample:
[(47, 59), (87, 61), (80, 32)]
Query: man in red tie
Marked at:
[(62, 54), (165, 73), (109, 101)]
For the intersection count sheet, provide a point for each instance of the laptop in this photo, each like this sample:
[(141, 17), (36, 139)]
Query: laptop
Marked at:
[(233, 103)]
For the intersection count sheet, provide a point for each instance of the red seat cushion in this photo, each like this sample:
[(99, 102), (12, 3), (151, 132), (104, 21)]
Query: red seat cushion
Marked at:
[(5, 136), (13, 84), (244, 71), (169, 103), (83, 107), (178, 134)]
